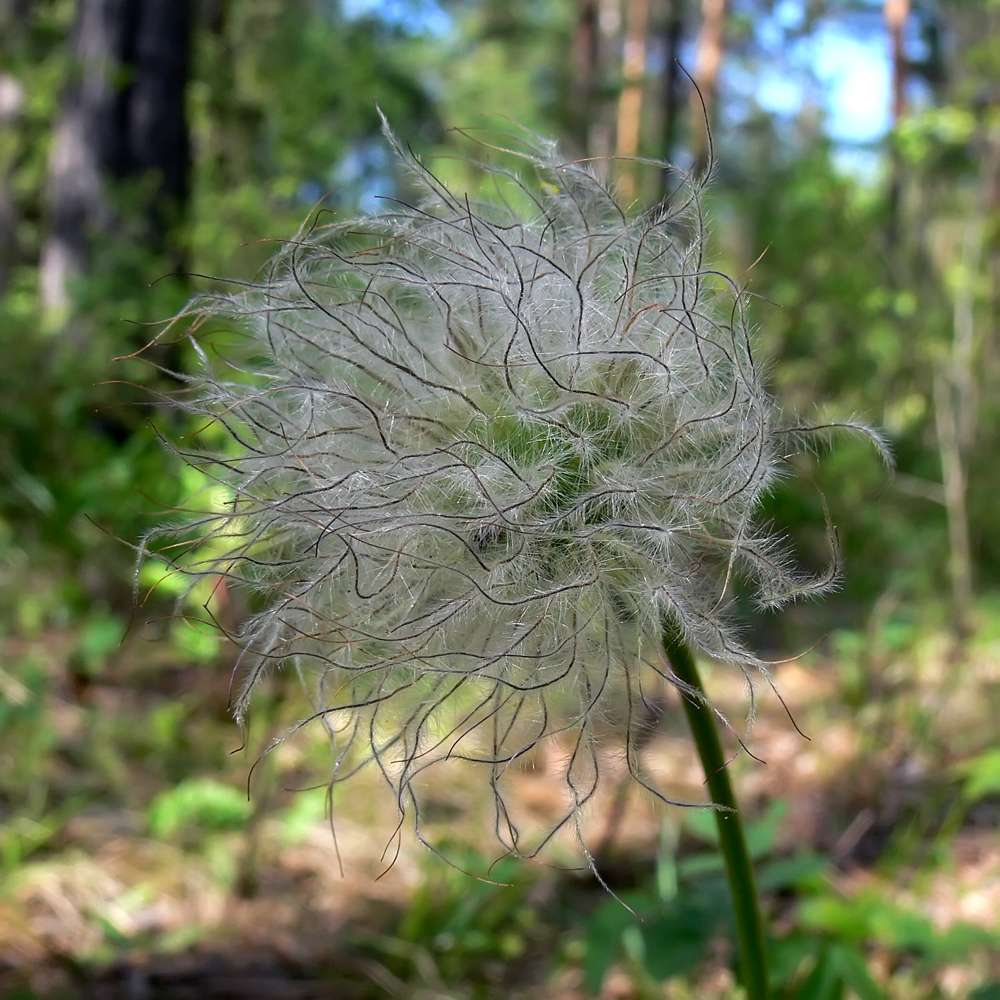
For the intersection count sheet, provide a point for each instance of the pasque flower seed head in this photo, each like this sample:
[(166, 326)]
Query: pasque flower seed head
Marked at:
[(479, 457)]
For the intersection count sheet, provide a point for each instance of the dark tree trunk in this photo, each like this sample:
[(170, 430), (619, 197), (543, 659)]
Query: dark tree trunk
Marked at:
[(606, 53), (709, 52), (122, 117), (152, 134), (585, 63), (671, 33)]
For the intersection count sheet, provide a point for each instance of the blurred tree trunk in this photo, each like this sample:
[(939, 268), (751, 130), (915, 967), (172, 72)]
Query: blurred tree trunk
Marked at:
[(709, 50), (601, 124), (961, 369), (11, 104), (586, 71), (957, 381), (895, 13), (630, 101), (74, 193), (671, 32), (122, 117)]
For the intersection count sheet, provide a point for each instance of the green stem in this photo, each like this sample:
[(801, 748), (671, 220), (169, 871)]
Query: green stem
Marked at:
[(739, 869)]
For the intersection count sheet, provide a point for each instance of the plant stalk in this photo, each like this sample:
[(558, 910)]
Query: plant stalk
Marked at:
[(739, 869)]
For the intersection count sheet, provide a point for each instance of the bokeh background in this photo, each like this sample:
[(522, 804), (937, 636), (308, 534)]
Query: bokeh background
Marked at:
[(150, 149)]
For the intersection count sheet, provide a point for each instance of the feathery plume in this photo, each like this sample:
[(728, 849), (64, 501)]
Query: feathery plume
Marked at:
[(479, 457)]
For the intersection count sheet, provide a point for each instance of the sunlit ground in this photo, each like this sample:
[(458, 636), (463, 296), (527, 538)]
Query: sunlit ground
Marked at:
[(137, 868)]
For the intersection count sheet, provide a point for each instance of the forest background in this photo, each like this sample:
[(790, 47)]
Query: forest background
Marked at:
[(149, 145)]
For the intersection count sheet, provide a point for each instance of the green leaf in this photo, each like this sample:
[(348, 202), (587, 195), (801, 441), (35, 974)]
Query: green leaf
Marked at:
[(761, 834), (788, 954), (676, 941), (604, 942), (956, 943), (101, 636), (786, 873), (854, 971), (982, 775), (303, 814), (699, 865), (701, 822), (199, 802), (824, 982)]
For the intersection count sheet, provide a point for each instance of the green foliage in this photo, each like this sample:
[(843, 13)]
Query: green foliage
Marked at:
[(869, 918), (839, 332), (981, 775), (282, 106), (662, 937), (304, 812), (28, 733), (832, 970), (282, 95), (464, 928), (667, 931), (100, 636), (279, 97), (197, 803)]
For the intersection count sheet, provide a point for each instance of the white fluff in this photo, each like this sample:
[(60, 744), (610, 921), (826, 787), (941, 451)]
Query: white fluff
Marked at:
[(481, 458)]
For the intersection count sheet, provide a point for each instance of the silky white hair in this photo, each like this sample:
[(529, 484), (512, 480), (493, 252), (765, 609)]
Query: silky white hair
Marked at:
[(478, 458)]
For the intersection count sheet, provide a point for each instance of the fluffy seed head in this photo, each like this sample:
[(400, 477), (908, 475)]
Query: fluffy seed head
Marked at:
[(480, 457)]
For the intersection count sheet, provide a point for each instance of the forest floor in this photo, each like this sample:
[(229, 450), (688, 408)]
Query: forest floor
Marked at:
[(110, 895)]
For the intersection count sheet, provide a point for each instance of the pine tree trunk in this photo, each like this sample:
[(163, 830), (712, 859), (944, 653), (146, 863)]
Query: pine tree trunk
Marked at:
[(631, 99), (709, 51), (671, 32), (585, 69), (601, 126), (122, 117)]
